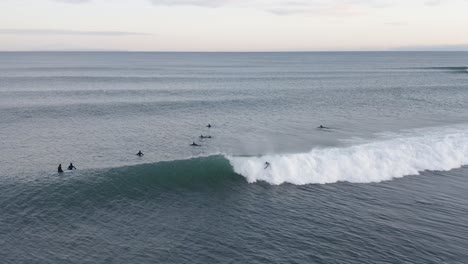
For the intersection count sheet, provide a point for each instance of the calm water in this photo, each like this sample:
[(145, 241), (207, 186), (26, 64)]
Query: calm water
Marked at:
[(335, 195)]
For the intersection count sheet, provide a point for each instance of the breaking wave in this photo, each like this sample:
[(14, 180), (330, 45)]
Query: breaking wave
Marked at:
[(389, 156), (382, 160)]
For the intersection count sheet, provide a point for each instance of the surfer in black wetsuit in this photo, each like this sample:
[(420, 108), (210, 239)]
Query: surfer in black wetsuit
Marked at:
[(194, 144), (59, 170), (267, 164), (323, 127), (71, 167), (139, 154), (202, 136), (209, 125)]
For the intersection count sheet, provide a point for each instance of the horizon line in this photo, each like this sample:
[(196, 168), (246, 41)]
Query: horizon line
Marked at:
[(229, 51)]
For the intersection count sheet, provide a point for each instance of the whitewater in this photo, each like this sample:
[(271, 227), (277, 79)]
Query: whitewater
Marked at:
[(407, 154)]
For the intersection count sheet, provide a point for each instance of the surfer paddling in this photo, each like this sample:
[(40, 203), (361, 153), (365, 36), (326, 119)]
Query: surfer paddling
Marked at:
[(71, 167), (139, 154)]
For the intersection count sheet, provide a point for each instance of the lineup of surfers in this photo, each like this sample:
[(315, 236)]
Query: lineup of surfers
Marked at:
[(202, 137), (140, 154), (193, 142)]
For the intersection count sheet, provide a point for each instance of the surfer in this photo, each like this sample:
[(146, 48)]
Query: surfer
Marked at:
[(194, 144), (323, 127), (139, 154), (60, 168), (71, 167), (267, 164), (202, 136), (209, 125)]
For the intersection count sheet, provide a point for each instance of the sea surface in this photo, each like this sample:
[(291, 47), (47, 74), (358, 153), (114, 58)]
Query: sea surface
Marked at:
[(384, 182)]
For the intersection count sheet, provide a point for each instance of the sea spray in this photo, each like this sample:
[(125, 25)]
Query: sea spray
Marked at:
[(381, 160)]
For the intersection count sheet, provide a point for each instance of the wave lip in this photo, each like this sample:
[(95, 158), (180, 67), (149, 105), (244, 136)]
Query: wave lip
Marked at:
[(370, 162)]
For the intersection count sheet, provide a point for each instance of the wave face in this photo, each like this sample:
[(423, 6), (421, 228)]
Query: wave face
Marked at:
[(199, 171), (377, 161)]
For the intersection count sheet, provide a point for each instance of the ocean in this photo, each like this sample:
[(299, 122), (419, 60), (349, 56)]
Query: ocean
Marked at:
[(384, 182)]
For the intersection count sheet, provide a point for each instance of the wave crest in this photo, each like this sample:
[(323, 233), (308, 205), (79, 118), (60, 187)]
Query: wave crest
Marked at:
[(370, 162)]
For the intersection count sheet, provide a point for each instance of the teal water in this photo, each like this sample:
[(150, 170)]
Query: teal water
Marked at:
[(386, 183)]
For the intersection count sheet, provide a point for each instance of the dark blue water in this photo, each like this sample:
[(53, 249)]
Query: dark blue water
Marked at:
[(384, 183)]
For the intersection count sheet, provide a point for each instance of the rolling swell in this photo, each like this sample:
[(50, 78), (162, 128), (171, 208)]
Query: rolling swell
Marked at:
[(98, 188), (406, 154), (201, 172), (211, 170)]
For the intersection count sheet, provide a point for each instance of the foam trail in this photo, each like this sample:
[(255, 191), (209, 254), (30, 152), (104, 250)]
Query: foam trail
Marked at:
[(443, 149)]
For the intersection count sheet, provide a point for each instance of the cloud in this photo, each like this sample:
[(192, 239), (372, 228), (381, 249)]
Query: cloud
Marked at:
[(73, 1), (202, 3), (67, 32), (284, 7), (281, 7)]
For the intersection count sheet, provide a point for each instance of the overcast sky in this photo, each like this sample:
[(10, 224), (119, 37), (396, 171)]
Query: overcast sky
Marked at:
[(233, 25)]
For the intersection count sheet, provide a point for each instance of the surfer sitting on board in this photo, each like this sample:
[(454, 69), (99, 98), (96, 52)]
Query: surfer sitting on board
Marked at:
[(60, 168), (71, 167), (139, 154)]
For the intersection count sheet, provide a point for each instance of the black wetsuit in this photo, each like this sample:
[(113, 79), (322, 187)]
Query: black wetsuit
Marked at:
[(60, 168)]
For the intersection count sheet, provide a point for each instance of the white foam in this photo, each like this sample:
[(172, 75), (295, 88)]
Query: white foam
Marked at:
[(382, 160)]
